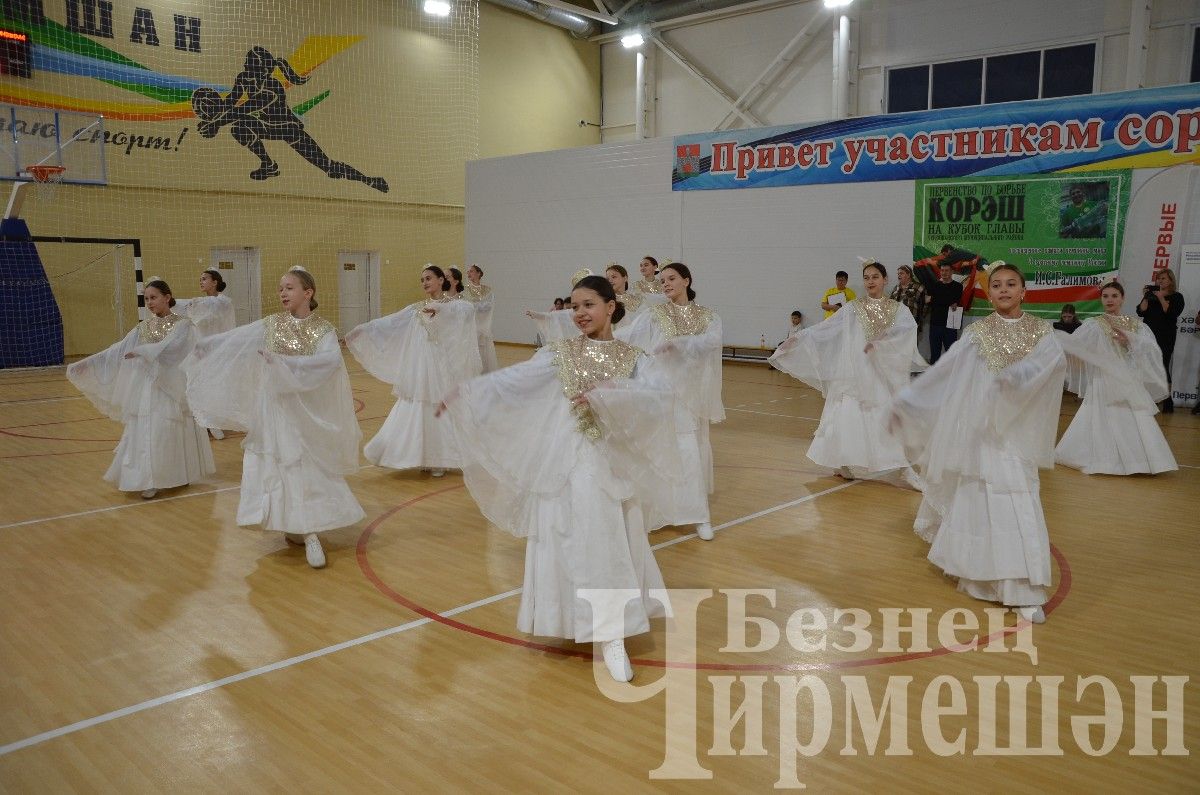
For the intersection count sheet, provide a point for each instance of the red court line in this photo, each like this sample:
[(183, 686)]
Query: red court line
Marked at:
[(44, 455), (364, 564), (52, 438)]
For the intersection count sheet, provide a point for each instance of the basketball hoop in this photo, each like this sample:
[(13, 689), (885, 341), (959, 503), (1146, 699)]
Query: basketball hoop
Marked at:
[(47, 178)]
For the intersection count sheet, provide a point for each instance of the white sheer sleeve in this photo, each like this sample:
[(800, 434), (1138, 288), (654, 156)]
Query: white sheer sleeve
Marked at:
[(1026, 410), (97, 375), (225, 376), (381, 345), (517, 436), (556, 325), (817, 356), (693, 364)]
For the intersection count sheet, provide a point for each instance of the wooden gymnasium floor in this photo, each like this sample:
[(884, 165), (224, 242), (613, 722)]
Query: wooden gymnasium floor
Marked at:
[(153, 645)]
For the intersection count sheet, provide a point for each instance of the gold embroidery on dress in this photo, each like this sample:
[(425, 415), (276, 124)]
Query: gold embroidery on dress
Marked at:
[(1002, 343), (424, 316), (1110, 323), (632, 301), (155, 328), (649, 286), (682, 321), (875, 314), (475, 293), (290, 336), (582, 363)]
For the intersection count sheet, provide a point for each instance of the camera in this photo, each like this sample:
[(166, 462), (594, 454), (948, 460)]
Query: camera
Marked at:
[(1150, 288)]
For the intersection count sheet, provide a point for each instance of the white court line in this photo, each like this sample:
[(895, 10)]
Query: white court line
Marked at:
[(178, 695), (769, 414), (118, 507), (141, 504)]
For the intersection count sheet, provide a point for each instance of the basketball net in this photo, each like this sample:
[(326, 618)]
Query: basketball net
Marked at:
[(45, 180)]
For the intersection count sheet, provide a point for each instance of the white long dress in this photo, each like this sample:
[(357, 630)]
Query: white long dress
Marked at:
[(212, 314), (422, 358), (858, 386), (692, 362), (979, 423), (284, 382), (574, 482), (1114, 432), (161, 446), (484, 300)]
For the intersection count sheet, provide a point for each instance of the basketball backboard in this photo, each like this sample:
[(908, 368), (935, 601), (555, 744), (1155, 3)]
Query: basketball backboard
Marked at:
[(44, 136)]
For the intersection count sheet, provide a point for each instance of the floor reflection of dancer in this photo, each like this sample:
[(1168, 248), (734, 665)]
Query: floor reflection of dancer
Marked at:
[(1114, 432), (566, 450), (423, 351), (139, 383), (687, 338), (979, 424), (282, 379), (859, 360), (212, 313), (484, 300), (256, 110)]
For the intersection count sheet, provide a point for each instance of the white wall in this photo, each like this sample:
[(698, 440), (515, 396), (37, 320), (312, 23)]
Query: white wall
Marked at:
[(755, 255), (890, 33)]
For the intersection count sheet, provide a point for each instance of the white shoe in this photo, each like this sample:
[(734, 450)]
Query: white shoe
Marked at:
[(148, 494), (617, 660), (217, 433), (1033, 614), (294, 538), (846, 473), (313, 551), (437, 473), (705, 531)]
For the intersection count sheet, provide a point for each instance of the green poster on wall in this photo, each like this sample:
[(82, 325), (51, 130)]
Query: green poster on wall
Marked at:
[(1063, 231)]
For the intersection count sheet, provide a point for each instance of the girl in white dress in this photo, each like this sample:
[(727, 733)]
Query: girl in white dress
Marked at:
[(566, 450), (650, 283), (859, 360), (483, 298), (423, 351), (634, 302), (212, 313), (687, 338), (454, 276), (978, 424), (139, 382), (1114, 432), (282, 379)]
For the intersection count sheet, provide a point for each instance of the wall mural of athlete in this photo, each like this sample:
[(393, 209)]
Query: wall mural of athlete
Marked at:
[(256, 110)]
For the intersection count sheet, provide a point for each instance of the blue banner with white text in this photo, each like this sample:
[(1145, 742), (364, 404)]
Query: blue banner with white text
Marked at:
[(1146, 128)]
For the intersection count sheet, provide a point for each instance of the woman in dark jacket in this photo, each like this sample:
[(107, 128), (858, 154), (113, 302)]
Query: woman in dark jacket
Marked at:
[(1160, 309)]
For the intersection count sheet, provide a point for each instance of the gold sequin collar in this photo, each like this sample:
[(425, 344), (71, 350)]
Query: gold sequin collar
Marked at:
[(1003, 342), (582, 363), (155, 328), (649, 286), (291, 336), (1123, 322), (474, 293), (875, 314), (1110, 323), (682, 321), (631, 300)]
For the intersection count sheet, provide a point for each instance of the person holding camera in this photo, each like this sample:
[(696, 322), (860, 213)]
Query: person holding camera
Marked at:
[(1160, 309)]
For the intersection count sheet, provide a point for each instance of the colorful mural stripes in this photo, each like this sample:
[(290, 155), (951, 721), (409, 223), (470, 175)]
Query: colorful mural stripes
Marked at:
[(59, 51)]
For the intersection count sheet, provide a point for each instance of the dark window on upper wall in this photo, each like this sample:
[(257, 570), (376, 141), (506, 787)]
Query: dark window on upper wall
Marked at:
[(1069, 71), (1196, 56), (1013, 77), (957, 83), (908, 89)]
